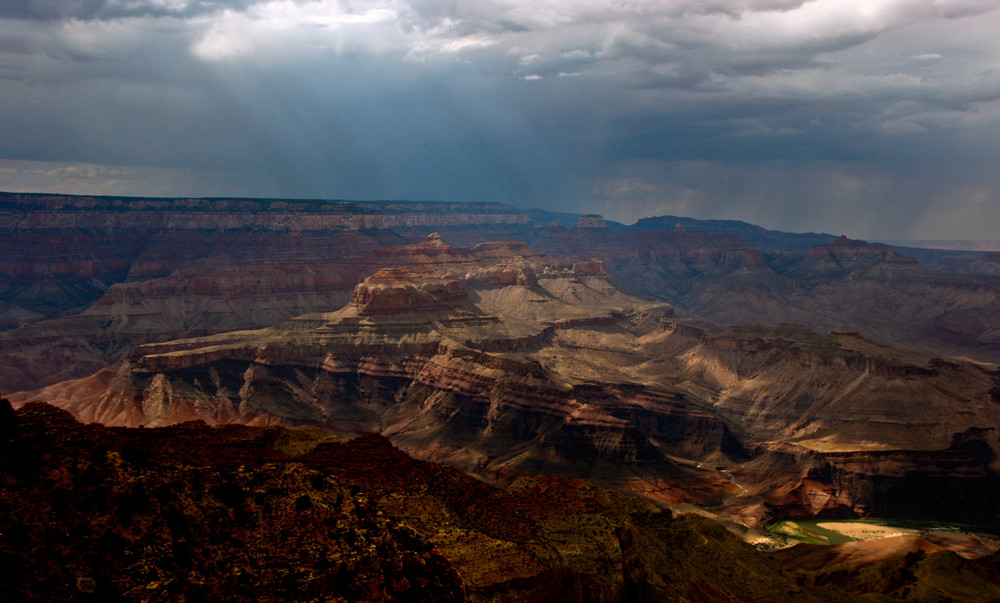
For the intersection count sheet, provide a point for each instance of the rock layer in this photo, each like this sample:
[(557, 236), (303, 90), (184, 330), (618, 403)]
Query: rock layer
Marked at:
[(487, 358), (503, 360), (99, 276)]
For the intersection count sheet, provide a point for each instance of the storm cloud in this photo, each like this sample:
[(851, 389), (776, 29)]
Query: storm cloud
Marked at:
[(874, 118)]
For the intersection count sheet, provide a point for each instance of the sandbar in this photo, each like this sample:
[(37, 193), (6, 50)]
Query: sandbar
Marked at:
[(865, 531)]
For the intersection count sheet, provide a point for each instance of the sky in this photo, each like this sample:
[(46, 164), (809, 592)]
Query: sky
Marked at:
[(871, 118)]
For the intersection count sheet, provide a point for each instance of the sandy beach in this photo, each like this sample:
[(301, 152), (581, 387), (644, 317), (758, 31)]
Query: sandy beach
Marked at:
[(865, 531)]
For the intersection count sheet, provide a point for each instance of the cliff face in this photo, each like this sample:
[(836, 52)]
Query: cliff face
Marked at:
[(500, 364), (447, 367), (504, 359), (100, 276), (64, 252), (843, 427), (177, 284), (827, 392), (29, 211), (951, 485), (888, 296)]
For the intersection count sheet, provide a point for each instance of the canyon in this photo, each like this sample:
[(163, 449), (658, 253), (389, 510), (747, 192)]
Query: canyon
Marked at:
[(272, 513), (711, 367), (102, 275)]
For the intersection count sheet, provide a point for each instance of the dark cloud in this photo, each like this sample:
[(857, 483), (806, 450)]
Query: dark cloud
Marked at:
[(106, 10), (774, 110)]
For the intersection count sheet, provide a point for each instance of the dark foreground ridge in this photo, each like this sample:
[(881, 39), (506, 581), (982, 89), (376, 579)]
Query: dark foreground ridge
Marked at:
[(191, 512)]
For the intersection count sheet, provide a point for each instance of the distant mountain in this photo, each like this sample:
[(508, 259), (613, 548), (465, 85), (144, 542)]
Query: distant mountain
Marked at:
[(766, 240), (888, 296), (973, 263), (952, 257), (982, 246)]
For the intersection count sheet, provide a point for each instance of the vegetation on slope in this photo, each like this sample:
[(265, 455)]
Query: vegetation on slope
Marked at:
[(192, 512)]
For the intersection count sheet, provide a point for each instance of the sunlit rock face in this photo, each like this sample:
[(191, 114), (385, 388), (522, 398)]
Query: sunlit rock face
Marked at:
[(449, 367), (815, 280), (394, 291)]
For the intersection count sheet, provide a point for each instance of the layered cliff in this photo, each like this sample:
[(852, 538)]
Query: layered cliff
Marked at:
[(829, 392), (65, 251), (102, 291), (100, 275), (494, 361), (446, 362), (888, 296), (89, 278), (503, 359), (30, 211)]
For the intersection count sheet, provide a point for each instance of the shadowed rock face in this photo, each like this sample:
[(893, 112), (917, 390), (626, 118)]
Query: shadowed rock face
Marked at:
[(945, 485), (101, 275), (109, 515), (887, 296), (180, 283), (273, 514)]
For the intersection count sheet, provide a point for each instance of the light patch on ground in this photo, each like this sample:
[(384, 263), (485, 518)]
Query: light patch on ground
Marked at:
[(865, 531)]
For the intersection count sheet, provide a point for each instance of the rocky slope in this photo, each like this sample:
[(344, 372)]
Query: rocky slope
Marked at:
[(909, 568), (887, 296), (719, 277), (833, 392), (840, 426), (503, 362), (269, 513), (240, 513), (100, 515)]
